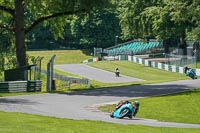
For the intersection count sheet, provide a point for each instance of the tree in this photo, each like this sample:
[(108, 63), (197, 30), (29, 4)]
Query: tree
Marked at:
[(194, 17), (133, 24), (21, 16), (97, 29), (170, 21), (165, 20)]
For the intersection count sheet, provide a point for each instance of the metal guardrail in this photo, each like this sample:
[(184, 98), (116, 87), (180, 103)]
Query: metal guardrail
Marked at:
[(21, 86)]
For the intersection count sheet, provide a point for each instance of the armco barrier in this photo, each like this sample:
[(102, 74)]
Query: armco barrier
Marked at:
[(21, 86)]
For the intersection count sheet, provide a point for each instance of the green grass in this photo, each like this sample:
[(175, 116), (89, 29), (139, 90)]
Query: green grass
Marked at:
[(23, 123), (178, 108), (151, 75), (62, 56), (184, 107), (18, 93), (198, 65)]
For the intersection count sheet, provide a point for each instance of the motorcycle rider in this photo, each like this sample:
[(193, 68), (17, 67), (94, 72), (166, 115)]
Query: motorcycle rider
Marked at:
[(117, 71), (189, 72), (133, 109)]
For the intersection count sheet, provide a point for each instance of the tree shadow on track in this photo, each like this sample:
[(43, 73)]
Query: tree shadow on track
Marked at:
[(135, 91), (15, 101)]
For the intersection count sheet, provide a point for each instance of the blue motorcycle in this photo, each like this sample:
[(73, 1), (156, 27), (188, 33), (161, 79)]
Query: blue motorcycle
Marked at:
[(190, 72), (125, 109)]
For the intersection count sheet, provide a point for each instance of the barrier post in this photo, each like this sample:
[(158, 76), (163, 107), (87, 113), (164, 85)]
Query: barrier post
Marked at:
[(50, 74)]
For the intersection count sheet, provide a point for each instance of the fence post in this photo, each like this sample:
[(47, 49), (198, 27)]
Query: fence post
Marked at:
[(40, 67), (50, 73), (35, 71)]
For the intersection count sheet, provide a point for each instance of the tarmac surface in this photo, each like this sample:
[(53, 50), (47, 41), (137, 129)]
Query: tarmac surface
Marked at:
[(83, 105), (94, 73)]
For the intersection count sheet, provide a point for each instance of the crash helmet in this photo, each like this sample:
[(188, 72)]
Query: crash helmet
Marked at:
[(137, 103)]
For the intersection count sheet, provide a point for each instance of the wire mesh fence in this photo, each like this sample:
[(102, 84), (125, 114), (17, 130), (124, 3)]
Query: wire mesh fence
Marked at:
[(67, 81), (181, 60)]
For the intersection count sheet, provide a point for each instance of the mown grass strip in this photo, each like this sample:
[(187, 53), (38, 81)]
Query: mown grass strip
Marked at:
[(183, 107), (151, 75), (23, 123)]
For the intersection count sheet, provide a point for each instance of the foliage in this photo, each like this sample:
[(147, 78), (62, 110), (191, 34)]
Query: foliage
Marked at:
[(89, 23), (194, 17), (7, 58), (20, 17), (165, 20), (97, 29), (56, 14), (131, 21)]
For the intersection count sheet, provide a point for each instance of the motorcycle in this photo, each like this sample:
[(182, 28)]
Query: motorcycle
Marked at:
[(190, 72), (117, 74), (125, 109)]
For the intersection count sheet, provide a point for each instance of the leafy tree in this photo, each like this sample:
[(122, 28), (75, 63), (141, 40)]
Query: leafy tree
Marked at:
[(21, 16), (163, 23), (164, 19), (97, 29), (41, 38), (194, 17), (133, 24)]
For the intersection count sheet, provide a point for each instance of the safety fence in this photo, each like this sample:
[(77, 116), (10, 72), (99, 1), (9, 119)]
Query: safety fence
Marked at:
[(180, 60), (159, 65), (52, 78), (66, 81)]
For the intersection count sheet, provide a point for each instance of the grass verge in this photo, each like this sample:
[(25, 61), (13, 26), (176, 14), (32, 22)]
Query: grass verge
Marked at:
[(62, 56), (183, 107), (23, 123), (151, 75)]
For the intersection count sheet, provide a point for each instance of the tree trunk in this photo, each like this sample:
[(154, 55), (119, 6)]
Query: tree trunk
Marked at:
[(183, 43), (20, 34), (166, 44)]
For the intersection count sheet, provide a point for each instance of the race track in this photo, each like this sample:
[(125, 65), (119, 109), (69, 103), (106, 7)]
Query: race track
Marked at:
[(83, 105), (94, 73)]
